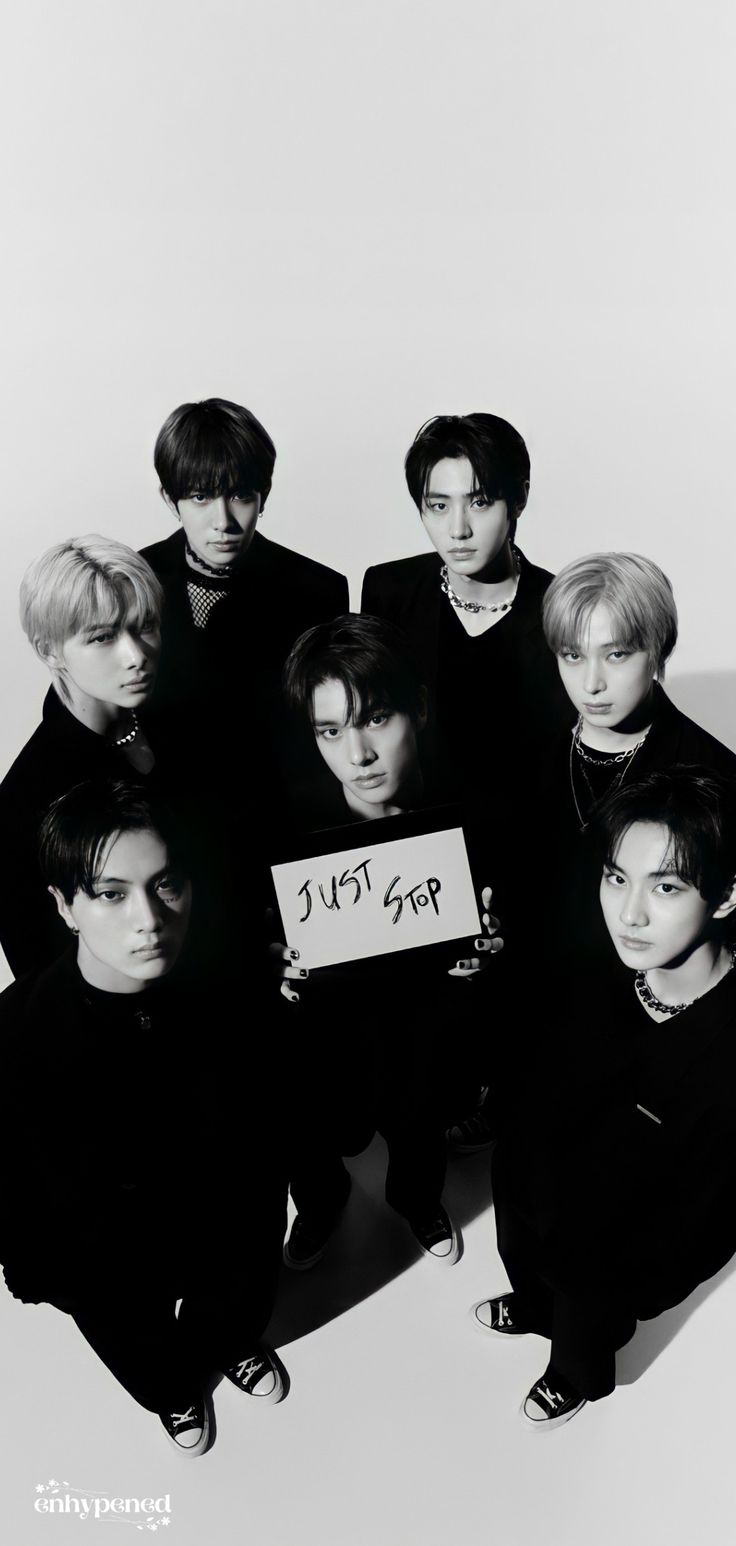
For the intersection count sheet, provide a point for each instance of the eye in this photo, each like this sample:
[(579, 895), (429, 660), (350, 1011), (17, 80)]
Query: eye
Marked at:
[(170, 887), (480, 502), (381, 717), (572, 656), (330, 733), (619, 654), (613, 878), (104, 637), (243, 499), (109, 896), (436, 505), (199, 499), (666, 888)]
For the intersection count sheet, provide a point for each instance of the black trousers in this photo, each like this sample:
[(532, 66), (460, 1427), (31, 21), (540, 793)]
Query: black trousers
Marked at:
[(584, 1330), (417, 1162)]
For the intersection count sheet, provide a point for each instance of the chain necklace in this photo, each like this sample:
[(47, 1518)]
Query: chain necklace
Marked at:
[(125, 740), (624, 758), (461, 605), (651, 1001)]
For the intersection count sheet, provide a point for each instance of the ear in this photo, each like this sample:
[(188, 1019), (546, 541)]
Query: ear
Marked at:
[(63, 907), (522, 502), (50, 657), (728, 904), (169, 503), (422, 711)]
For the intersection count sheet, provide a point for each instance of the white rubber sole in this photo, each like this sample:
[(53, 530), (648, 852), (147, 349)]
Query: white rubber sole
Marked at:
[(190, 1451)]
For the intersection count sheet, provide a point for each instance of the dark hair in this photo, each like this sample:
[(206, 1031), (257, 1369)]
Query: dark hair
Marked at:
[(369, 656), (77, 826), (698, 808), (214, 447), (495, 450)]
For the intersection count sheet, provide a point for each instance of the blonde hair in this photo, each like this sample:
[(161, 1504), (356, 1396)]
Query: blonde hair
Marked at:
[(83, 583), (637, 593)]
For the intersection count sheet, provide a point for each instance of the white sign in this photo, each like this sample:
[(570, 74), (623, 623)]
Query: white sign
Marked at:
[(378, 898)]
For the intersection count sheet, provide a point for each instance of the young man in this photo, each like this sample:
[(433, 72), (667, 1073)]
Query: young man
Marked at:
[(113, 1123), (234, 600), (354, 683), (471, 610), (615, 1190)]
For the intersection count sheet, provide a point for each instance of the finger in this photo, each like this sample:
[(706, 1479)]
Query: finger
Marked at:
[(291, 972), (279, 952), (289, 993), (461, 971), (485, 897)]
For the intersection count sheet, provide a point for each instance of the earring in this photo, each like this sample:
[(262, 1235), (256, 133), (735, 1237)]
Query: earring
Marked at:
[(74, 931)]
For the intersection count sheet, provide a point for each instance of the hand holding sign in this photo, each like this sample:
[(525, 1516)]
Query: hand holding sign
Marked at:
[(489, 944)]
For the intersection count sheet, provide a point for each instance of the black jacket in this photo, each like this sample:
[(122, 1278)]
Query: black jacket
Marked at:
[(274, 597), (624, 1164), (495, 700)]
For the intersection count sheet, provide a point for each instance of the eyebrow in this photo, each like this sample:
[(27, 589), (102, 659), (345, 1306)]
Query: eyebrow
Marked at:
[(125, 880)]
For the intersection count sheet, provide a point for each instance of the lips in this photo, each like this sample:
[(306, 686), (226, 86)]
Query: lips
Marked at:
[(634, 944), (138, 682), (367, 780)]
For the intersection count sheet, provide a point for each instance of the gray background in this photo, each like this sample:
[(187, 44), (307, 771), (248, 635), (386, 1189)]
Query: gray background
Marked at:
[(351, 216)]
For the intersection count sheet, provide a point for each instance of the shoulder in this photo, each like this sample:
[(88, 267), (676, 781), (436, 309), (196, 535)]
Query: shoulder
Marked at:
[(167, 556), (401, 575), (535, 579), (271, 558), (693, 743)]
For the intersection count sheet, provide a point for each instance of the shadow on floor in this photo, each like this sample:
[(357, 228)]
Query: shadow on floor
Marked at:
[(652, 1337), (371, 1246)]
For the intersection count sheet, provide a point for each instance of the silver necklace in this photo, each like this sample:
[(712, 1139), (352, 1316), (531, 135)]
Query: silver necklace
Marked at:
[(479, 606), (652, 1002), (626, 758), (602, 762), (125, 740)]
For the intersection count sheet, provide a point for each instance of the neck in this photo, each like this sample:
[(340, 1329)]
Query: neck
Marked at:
[(106, 719), (212, 571), (692, 977), (492, 584), (622, 737)]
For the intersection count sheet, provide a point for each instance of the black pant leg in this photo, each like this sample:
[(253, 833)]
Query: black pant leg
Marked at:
[(138, 1338)]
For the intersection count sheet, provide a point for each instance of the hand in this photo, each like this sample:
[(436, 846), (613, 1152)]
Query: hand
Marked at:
[(285, 965), (488, 945)]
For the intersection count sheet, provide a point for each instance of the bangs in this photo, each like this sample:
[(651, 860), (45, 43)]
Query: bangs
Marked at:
[(213, 469), (628, 625), (365, 693), (101, 600), (681, 857)]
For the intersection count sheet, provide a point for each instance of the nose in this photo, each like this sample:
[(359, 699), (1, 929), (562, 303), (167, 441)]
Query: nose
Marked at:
[(222, 515), (633, 913), (133, 649), (146, 913), (459, 521), (593, 677), (360, 752)]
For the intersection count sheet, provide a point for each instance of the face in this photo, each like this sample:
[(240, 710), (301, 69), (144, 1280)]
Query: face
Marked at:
[(466, 530), (654, 918), (219, 527), (132, 928), (114, 665), (606, 680), (374, 759)]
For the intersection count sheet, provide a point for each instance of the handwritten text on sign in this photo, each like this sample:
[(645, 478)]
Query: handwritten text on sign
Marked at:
[(377, 898)]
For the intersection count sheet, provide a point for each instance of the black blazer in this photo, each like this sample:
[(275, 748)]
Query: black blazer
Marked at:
[(625, 1166), (407, 593), (61, 753), (275, 596)]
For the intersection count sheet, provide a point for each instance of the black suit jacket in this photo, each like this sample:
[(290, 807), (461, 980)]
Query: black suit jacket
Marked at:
[(275, 596)]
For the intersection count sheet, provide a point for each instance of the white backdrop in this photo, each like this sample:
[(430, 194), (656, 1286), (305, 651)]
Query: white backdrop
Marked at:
[(353, 214)]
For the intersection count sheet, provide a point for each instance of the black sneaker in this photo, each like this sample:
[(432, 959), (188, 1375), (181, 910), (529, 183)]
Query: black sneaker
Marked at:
[(310, 1237), (189, 1430), (474, 1133), (551, 1402), (497, 1315), (438, 1237), (258, 1376)]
